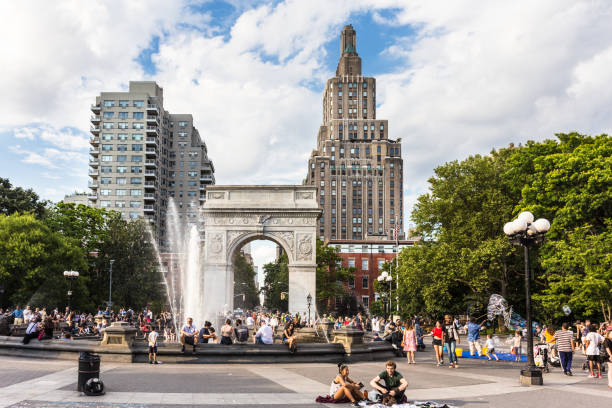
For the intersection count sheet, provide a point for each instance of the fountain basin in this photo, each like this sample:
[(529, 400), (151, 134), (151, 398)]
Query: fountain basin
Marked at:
[(205, 353)]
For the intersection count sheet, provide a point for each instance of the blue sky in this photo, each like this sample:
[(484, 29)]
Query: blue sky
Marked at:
[(454, 78)]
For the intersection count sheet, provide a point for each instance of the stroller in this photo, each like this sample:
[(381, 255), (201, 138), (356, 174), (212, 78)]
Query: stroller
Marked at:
[(540, 356)]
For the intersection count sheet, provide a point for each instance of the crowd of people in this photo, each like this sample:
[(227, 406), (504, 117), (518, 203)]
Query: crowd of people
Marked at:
[(406, 336)]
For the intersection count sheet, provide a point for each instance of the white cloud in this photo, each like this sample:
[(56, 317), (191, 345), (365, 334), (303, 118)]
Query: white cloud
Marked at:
[(477, 75)]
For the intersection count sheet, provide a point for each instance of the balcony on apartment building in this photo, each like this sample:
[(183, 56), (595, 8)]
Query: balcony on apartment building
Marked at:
[(149, 196), (94, 162), (95, 119), (152, 109), (151, 151), (149, 208), (95, 108), (153, 130), (150, 163), (95, 130), (150, 173), (92, 196)]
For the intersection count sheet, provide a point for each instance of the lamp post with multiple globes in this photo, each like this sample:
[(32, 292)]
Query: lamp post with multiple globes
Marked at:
[(385, 278), (70, 275), (526, 232)]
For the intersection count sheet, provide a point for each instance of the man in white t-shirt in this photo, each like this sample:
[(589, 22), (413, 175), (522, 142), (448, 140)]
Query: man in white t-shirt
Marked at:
[(189, 335), (265, 334), (250, 321), (153, 346), (592, 342)]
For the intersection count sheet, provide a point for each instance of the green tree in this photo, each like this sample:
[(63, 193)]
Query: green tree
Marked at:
[(18, 200), (244, 283), (464, 256), (137, 281), (332, 279), (32, 261), (568, 182), (276, 282)]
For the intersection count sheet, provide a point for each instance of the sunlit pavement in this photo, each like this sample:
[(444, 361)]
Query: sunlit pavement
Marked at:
[(476, 383)]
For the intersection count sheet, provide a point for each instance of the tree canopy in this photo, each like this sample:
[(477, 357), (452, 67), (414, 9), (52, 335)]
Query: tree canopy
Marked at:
[(464, 256)]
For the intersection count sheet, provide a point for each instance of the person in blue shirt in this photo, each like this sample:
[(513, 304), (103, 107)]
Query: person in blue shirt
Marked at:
[(473, 330), (18, 315)]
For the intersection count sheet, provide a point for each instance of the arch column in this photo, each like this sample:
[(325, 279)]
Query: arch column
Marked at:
[(302, 281)]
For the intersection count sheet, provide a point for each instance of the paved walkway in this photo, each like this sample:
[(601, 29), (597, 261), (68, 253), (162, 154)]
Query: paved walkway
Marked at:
[(477, 383)]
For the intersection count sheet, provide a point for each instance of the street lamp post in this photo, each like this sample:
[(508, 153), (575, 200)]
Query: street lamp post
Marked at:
[(309, 302), (70, 275), (526, 232), (386, 279), (110, 284)]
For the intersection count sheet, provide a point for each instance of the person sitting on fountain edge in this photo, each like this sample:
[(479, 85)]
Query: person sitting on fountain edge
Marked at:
[(189, 335), (390, 383), (207, 333), (289, 336)]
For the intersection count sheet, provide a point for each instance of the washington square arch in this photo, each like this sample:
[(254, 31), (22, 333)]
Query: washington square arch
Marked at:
[(236, 215)]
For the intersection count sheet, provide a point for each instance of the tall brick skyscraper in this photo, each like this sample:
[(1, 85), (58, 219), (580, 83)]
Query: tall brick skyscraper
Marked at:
[(357, 168)]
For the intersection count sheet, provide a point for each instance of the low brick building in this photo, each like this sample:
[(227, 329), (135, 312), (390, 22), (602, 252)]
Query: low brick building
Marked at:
[(368, 257)]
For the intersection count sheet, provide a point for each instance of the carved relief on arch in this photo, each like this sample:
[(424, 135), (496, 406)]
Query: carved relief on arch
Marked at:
[(286, 236), (304, 247), (215, 244), (233, 236)]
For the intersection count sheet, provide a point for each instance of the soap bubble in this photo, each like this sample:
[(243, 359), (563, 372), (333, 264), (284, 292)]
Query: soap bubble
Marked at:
[(567, 310)]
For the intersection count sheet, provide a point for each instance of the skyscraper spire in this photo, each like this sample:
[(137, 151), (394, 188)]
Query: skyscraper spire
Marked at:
[(350, 62)]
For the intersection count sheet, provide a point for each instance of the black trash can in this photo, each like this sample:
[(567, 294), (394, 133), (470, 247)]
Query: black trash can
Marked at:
[(89, 367)]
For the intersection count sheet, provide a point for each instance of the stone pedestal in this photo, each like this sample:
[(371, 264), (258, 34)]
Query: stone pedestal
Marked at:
[(118, 334), (531, 377), (348, 337)]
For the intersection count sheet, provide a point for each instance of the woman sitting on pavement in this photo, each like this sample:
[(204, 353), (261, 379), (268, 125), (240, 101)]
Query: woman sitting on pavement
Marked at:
[(289, 337), (343, 387)]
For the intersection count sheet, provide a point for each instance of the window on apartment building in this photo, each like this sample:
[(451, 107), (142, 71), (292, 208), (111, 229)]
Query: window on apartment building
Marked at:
[(108, 115), (365, 282), (136, 180), (108, 125), (124, 104), (109, 104), (106, 192), (139, 104), (364, 264), (105, 180), (135, 192), (107, 136), (138, 115), (136, 159), (122, 136), (381, 262), (182, 123), (106, 169), (137, 147), (134, 215), (366, 301), (351, 262), (120, 192), (105, 204), (136, 169), (107, 158), (121, 180), (124, 115), (137, 125), (122, 147), (351, 283), (137, 137), (120, 204), (123, 125), (107, 147), (134, 204)]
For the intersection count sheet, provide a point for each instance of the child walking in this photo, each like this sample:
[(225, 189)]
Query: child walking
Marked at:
[(491, 348), (410, 341), (153, 346)]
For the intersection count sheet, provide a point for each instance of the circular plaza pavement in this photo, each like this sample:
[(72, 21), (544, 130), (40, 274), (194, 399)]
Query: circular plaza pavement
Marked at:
[(477, 383)]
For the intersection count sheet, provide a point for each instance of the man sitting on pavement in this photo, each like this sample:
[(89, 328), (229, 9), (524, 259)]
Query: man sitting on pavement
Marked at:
[(390, 383), (189, 335)]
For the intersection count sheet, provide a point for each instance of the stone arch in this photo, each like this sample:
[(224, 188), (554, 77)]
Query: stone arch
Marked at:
[(235, 215), (246, 237)]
